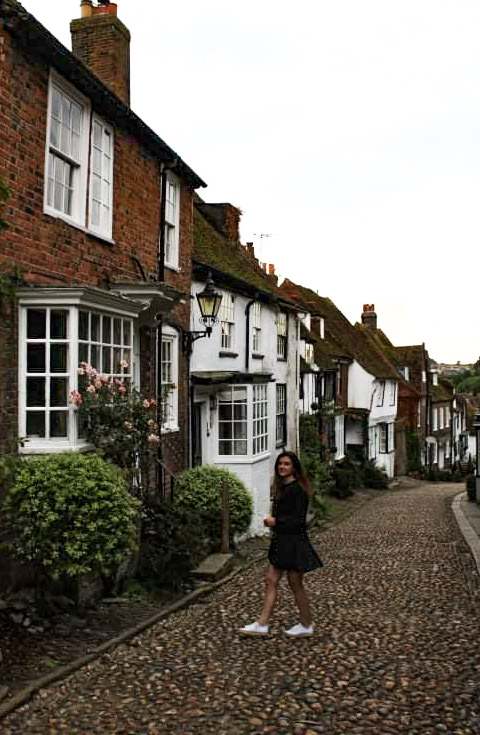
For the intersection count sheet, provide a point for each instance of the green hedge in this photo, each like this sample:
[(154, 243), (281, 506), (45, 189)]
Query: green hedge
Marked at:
[(70, 514), (198, 491)]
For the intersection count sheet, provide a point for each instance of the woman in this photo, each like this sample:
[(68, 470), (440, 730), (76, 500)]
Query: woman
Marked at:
[(290, 549)]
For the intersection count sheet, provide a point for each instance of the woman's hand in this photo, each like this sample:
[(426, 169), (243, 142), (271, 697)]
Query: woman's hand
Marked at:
[(269, 521)]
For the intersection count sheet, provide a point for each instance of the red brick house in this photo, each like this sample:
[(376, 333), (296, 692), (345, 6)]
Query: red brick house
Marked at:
[(100, 232)]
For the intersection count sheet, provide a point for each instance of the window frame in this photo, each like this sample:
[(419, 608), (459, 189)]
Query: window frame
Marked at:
[(281, 415), (260, 426), (393, 392), (106, 127), (80, 167), (383, 438), (171, 336), (380, 393), (243, 420), (226, 316), (282, 339), (256, 328), (173, 262)]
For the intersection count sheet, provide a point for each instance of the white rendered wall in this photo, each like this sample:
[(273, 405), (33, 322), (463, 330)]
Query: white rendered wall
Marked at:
[(255, 471)]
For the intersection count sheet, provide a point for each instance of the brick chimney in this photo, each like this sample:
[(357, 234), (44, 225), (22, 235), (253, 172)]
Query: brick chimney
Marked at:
[(369, 318), (102, 42), (225, 217)]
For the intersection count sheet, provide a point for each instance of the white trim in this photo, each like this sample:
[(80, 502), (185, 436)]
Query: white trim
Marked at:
[(174, 262), (170, 334), (108, 129), (80, 195), (88, 296)]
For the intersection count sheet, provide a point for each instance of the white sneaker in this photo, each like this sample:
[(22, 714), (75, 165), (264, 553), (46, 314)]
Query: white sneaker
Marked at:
[(254, 629), (300, 631)]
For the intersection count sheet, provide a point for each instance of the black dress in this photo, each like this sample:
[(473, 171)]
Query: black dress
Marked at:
[(290, 548)]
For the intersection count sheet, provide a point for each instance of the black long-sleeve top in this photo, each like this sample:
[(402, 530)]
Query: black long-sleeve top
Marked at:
[(290, 509)]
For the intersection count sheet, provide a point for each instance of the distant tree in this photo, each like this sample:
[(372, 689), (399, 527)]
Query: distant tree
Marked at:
[(469, 384)]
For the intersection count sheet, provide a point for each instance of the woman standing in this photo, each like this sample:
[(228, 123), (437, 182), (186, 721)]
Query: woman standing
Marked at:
[(290, 549)]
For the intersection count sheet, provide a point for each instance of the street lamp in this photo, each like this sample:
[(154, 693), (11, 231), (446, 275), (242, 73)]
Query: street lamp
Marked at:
[(476, 426), (209, 302)]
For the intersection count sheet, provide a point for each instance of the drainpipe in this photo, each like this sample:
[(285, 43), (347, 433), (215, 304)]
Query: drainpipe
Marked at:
[(247, 333)]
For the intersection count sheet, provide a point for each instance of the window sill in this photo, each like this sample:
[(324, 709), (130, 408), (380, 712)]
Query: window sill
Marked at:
[(172, 267), (169, 430), (96, 235), (247, 459), (281, 359), (257, 356), (226, 353), (51, 447), (280, 445)]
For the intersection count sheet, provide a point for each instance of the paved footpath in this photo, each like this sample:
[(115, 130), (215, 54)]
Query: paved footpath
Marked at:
[(396, 649)]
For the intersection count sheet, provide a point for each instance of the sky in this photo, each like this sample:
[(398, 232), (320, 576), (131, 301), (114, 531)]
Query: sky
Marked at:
[(347, 132)]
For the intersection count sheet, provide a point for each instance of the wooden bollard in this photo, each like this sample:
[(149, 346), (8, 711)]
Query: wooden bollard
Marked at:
[(225, 519)]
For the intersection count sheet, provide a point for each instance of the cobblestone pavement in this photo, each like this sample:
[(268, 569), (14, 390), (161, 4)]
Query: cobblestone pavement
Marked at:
[(396, 648)]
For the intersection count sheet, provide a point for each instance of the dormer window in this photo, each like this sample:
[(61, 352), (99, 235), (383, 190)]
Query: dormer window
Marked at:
[(435, 378), (321, 327), (406, 373)]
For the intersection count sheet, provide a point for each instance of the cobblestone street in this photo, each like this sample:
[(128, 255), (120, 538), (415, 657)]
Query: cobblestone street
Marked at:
[(395, 649)]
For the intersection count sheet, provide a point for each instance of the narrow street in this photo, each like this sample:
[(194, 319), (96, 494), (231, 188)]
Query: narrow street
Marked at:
[(395, 650)]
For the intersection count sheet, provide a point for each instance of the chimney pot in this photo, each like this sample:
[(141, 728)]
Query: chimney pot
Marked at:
[(86, 8), (271, 269), (369, 317)]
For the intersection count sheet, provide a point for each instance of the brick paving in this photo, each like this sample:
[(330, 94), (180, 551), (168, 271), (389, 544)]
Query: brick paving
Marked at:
[(395, 650)]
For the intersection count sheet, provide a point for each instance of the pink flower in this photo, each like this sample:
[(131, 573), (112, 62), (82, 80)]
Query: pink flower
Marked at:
[(76, 398), (146, 403), (97, 383), (122, 389), (81, 371), (128, 425), (91, 389), (153, 439), (153, 402)]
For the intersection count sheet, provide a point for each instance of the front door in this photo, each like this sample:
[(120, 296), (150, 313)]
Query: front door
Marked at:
[(197, 435)]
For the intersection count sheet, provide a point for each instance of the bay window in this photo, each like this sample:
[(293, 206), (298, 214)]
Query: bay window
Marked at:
[(232, 421), (54, 338), (243, 421), (260, 419)]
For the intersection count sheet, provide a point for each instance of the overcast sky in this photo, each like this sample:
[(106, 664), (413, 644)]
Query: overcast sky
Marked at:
[(347, 131)]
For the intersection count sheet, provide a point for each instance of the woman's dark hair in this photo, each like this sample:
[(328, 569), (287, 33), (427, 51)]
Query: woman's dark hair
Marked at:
[(298, 473)]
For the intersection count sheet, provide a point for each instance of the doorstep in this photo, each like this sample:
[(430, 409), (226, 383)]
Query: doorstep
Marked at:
[(213, 567)]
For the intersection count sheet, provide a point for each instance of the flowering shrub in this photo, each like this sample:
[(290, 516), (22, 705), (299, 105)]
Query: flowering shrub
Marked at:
[(118, 420)]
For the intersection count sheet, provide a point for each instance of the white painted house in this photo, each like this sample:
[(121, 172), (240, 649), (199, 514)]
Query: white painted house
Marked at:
[(366, 385), (244, 377)]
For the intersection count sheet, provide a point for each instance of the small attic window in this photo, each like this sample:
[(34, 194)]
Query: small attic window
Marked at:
[(435, 378), (321, 327), (406, 373)]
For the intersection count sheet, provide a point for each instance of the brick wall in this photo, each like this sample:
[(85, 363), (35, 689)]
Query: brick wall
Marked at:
[(50, 251)]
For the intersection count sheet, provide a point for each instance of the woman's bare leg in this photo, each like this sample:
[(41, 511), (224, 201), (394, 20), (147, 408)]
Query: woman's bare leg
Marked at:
[(295, 580), (272, 579)]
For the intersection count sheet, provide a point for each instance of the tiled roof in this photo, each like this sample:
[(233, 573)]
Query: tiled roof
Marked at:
[(347, 341), (229, 262), (444, 391)]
